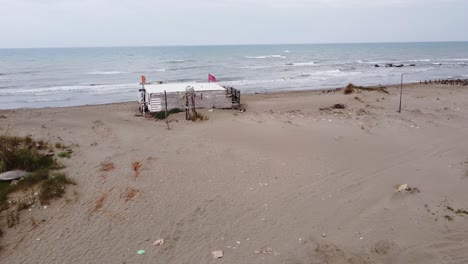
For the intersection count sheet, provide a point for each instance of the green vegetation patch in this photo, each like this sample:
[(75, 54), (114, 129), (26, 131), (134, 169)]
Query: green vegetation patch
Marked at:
[(162, 114), (23, 153), (53, 187)]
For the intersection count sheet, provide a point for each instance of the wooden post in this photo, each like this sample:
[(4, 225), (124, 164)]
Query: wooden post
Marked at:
[(401, 92), (187, 113), (193, 106), (165, 100)]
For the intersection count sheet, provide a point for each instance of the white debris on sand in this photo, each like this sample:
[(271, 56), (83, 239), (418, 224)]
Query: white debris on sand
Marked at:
[(217, 254), (158, 242)]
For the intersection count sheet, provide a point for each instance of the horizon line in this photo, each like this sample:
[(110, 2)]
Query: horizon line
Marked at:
[(243, 44)]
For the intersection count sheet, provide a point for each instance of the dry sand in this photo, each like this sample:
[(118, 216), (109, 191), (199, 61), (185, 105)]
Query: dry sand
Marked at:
[(283, 182)]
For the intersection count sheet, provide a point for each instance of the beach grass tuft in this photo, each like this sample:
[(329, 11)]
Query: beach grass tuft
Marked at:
[(53, 187), (26, 154), (65, 154), (21, 153)]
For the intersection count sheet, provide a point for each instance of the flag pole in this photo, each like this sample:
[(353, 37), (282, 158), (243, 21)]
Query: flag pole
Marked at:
[(401, 93)]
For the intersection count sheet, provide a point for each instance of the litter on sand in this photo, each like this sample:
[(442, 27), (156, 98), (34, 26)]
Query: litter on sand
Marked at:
[(158, 242), (217, 254), (264, 251), (141, 252), (401, 187), (12, 175)]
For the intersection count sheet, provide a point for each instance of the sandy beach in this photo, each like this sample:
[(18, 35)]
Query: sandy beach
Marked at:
[(291, 180)]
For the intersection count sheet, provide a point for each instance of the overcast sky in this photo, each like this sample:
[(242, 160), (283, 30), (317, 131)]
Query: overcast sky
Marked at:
[(85, 23)]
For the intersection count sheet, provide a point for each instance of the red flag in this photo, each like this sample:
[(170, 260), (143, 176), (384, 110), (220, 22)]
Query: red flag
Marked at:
[(211, 78)]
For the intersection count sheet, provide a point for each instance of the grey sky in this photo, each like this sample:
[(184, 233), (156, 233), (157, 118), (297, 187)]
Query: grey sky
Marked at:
[(77, 23)]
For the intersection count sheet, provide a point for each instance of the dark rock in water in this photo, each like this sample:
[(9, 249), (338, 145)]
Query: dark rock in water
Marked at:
[(389, 65), (412, 65), (377, 66), (12, 175), (339, 106), (398, 65)]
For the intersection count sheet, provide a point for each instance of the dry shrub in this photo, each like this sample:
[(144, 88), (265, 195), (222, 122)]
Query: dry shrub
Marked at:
[(107, 166), (199, 117), (349, 89), (136, 168), (358, 99), (100, 202), (129, 194)]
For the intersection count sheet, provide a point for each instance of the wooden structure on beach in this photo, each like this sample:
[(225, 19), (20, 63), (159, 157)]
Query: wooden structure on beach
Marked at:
[(154, 97)]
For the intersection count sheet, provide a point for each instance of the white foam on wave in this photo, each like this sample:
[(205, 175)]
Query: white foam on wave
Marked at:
[(310, 63), (175, 61), (266, 57), (71, 88), (255, 67), (251, 82), (105, 72), (160, 70), (456, 59), (286, 51), (44, 100), (331, 73), (419, 69), (421, 60)]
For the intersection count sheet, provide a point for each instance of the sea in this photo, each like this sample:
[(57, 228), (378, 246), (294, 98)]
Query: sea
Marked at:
[(57, 77)]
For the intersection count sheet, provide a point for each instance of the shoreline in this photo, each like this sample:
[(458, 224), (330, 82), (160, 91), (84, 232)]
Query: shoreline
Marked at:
[(306, 91), (299, 176)]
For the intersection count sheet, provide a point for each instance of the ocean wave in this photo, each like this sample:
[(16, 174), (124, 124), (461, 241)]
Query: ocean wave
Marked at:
[(255, 67), (310, 63), (71, 88), (331, 73), (175, 61), (286, 51), (266, 57), (412, 69), (421, 60), (31, 72), (160, 70), (393, 61), (251, 82), (188, 68), (456, 59), (115, 91), (39, 100), (43, 93), (105, 72), (374, 62)]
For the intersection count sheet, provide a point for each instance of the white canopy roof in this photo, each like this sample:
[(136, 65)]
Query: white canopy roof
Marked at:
[(182, 87)]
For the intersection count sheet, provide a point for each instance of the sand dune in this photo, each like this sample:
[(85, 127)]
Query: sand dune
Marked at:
[(283, 182)]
